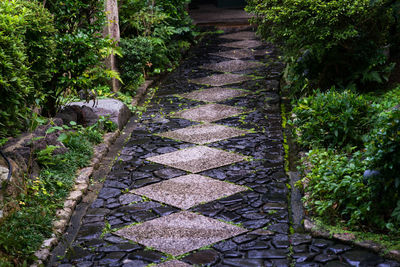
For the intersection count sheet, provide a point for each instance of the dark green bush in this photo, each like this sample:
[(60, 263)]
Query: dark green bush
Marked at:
[(334, 188), (80, 50), (383, 151), (331, 119), (327, 43), (154, 34), (26, 61)]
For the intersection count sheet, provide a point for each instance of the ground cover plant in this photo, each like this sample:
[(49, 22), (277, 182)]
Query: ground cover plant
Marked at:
[(31, 214)]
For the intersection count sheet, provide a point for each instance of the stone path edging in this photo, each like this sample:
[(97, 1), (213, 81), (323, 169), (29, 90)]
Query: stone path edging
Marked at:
[(74, 197), (318, 231)]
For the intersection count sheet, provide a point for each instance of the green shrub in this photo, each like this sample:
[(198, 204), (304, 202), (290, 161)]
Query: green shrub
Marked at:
[(331, 119), (26, 61), (334, 187), (327, 43), (154, 35), (80, 50), (383, 151)]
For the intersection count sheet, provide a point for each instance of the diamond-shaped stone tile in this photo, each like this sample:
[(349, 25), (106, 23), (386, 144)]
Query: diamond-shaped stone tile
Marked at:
[(239, 35), (189, 190), (243, 44), (240, 53), (173, 263), (197, 159), (204, 133), (179, 233), (208, 113), (221, 79), (214, 94), (232, 65)]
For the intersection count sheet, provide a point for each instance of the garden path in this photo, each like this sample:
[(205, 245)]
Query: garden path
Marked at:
[(202, 180)]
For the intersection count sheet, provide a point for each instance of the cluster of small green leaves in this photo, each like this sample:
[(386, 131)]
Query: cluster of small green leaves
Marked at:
[(348, 135), (26, 61), (335, 189), (25, 229), (154, 35), (328, 43), (331, 119)]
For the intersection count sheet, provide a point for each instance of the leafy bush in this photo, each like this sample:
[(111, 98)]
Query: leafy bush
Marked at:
[(327, 43), (331, 119), (26, 60), (383, 151), (334, 187), (80, 50), (154, 34)]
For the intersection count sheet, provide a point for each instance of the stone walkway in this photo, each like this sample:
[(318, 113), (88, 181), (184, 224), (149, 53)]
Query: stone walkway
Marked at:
[(201, 182)]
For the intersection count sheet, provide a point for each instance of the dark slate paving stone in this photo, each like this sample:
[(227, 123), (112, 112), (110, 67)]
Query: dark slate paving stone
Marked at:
[(324, 258), (361, 258), (339, 248), (203, 257), (268, 254), (147, 255), (134, 263), (111, 258), (243, 262), (322, 243), (225, 246)]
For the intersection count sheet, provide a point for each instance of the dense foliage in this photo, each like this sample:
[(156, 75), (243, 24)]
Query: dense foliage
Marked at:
[(154, 36), (26, 60), (331, 119), (357, 185), (327, 43)]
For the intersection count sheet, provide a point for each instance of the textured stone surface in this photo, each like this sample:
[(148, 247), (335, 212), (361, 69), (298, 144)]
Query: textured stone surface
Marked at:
[(243, 44), (208, 113), (214, 94), (197, 159), (232, 65), (187, 191), (173, 263), (204, 133), (221, 79), (179, 233), (244, 35), (240, 53)]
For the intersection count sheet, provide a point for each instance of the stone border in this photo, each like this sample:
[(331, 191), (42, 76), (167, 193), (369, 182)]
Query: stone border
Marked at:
[(81, 186), (75, 196), (318, 231)]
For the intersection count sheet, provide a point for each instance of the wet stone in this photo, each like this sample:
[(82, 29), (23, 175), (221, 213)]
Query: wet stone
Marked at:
[(298, 239), (202, 257), (221, 79), (286, 244), (243, 262), (322, 243), (274, 206), (339, 248), (336, 264), (129, 198), (307, 264), (107, 193), (90, 232), (268, 254), (225, 246), (168, 173), (134, 263), (255, 245), (254, 224), (243, 238), (114, 239), (111, 258), (324, 258), (303, 257), (144, 182), (148, 255), (361, 258), (164, 210), (282, 228)]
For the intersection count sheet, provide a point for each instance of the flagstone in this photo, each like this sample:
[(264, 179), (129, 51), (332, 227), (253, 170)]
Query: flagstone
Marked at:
[(232, 65), (245, 35), (204, 133), (243, 44), (240, 53), (214, 94), (189, 190), (208, 113), (197, 159), (180, 233), (221, 79), (173, 263)]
